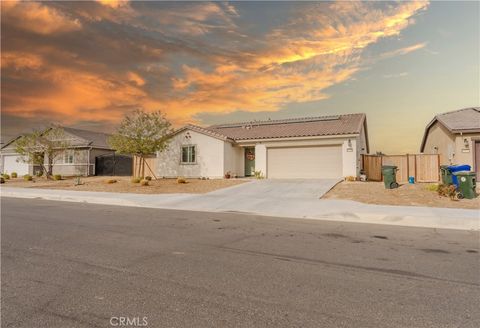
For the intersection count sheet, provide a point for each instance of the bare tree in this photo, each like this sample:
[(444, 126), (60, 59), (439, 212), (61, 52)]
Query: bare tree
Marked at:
[(141, 134), (43, 147)]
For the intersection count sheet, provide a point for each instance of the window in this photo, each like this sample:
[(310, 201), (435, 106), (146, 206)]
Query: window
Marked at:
[(68, 156), (188, 154)]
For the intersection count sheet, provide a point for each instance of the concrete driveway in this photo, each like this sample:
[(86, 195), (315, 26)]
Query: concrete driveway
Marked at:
[(280, 188)]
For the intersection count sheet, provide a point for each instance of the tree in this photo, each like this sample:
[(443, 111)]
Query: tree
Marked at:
[(38, 146), (141, 134)]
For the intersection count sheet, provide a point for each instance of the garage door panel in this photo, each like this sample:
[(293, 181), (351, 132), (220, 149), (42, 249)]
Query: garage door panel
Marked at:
[(304, 162), (13, 163)]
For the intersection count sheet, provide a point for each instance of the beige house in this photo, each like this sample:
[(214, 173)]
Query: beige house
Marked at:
[(312, 147), (79, 159), (456, 137)]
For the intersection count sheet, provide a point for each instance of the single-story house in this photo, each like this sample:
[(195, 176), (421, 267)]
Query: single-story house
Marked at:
[(456, 137), (313, 147), (85, 150)]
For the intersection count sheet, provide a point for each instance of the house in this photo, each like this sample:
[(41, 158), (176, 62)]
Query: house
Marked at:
[(313, 147), (88, 154), (456, 137)]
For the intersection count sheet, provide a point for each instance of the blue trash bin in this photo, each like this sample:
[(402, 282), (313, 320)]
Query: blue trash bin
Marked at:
[(458, 168)]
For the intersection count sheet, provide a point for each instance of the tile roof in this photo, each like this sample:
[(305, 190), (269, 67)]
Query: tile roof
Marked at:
[(288, 128), (88, 138), (461, 120), (92, 138), (466, 120)]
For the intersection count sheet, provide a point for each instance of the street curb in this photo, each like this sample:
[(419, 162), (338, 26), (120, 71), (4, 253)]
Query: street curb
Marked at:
[(365, 213)]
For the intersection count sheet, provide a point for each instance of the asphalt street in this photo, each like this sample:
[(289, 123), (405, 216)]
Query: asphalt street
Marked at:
[(80, 265)]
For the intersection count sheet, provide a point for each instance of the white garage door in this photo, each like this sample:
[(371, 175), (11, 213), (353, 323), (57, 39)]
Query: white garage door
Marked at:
[(305, 162), (10, 165)]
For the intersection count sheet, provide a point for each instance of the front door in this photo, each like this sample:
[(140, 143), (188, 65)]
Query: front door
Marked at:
[(249, 161)]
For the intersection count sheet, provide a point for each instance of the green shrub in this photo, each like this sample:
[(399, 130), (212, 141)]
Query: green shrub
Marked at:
[(2, 180), (144, 182), (27, 177), (258, 175), (110, 181), (38, 173), (57, 177), (148, 178), (136, 180), (6, 176), (181, 180), (14, 175)]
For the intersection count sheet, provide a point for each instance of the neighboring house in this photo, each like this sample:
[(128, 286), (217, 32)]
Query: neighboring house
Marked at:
[(456, 137), (315, 147), (86, 148)]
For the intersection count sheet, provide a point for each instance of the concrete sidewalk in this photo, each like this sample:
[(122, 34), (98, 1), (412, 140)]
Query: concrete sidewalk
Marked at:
[(305, 208)]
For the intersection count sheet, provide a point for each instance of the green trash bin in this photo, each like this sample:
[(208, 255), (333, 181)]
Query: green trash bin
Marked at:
[(466, 184), (389, 178), (446, 175)]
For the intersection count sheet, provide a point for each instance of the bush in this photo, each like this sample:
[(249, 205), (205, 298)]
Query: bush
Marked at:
[(148, 178), (2, 180), (110, 181), (38, 174), (5, 176), (135, 180), (27, 177), (181, 180), (258, 175), (14, 175), (350, 178), (57, 177), (448, 191), (144, 182)]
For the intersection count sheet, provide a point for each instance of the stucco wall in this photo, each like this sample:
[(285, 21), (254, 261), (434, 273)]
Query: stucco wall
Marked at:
[(465, 155), (209, 157), (261, 158), (79, 167), (234, 159), (450, 147), (361, 142), (440, 141)]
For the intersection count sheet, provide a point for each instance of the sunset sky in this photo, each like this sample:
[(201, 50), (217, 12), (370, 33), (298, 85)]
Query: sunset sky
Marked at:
[(86, 64)]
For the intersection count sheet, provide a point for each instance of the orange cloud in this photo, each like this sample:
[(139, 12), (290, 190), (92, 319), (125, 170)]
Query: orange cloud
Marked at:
[(113, 3), (21, 60), (201, 61), (37, 18)]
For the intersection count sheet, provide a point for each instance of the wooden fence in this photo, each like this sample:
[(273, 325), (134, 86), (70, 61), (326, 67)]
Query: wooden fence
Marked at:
[(423, 167), (148, 169)]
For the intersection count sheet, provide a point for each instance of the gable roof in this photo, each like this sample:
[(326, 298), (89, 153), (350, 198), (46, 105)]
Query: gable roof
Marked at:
[(290, 128), (286, 128), (90, 138), (201, 130), (466, 120)]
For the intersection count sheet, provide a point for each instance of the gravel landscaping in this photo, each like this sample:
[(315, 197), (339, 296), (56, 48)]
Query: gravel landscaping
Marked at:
[(407, 194), (123, 184)]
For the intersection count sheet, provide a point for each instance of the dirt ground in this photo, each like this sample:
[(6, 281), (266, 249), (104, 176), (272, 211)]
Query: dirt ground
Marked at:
[(407, 194), (123, 184)]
